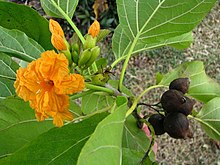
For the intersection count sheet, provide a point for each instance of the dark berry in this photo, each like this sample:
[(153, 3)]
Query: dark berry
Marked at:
[(180, 84), (177, 126), (156, 120), (175, 101)]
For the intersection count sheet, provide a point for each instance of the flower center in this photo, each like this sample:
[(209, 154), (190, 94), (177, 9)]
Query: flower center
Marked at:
[(47, 85)]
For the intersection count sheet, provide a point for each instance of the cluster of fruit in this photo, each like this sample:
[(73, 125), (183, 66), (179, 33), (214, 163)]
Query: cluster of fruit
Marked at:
[(176, 108)]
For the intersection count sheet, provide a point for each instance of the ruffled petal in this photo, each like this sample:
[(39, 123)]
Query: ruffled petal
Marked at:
[(53, 66), (70, 84)]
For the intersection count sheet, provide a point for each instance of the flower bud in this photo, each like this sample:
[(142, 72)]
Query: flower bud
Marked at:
[(90, 42), (55, 28), (58, 42), (94, 29), (75, 57), (95, 53), (68, 56), (100, 79), (75, 47), (84, 57)]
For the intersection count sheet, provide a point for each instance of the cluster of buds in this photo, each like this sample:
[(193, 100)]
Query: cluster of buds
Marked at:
[(90, 51), (83, 58)]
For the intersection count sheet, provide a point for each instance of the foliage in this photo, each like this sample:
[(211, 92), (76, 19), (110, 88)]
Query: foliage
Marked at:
[(105, 129)]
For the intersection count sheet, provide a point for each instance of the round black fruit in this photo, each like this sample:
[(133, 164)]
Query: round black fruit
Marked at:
[(174, 101), (180, 84), (156, 120), (177, 126)]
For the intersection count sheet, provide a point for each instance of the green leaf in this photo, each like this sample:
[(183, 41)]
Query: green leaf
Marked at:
[(131, 157), (8, 67), (75, 109), (6, 88), (209, 117), (68, 6), (124, 90), (135, 138), (18, 44), (7, 75), (153, 21), (104, 146), (58, 145), (121, 43), (201, 86), (151, 24), (102, 34), (96, 101), (18, 125), (27, 20)]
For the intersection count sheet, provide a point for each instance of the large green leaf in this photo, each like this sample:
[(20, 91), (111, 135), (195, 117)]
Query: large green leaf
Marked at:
[(131, 157), (94, 102), (133, 137), (58, 145), (68, 6), (18, 125), (7, 75), (6, 88), (134, 142), (153, 22), (209, 117), (121, 43), (201, 87), (18, 44), (26, 19), (8, 67), (104, 146)]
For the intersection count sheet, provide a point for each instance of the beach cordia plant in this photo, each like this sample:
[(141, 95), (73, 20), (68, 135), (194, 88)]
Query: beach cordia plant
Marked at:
[(60, 104)]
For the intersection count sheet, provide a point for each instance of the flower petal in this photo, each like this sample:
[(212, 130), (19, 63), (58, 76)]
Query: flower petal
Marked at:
[(55, 28), (70, 84)]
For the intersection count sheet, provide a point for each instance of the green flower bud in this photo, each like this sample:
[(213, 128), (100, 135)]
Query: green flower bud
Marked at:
[(95, 53), (84, 57), (75, 57), (100, 79), (68, 55), (75, 47), (90, 42)]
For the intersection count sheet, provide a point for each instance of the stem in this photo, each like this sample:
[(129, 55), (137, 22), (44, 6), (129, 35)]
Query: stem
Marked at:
[(76, 96), (70, 21), (152, 140), (150, 106), (99, 88), (139, 97), (126, 62)]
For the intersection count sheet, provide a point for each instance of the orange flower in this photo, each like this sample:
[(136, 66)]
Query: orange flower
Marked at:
[(46, 83), (94, 29)]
